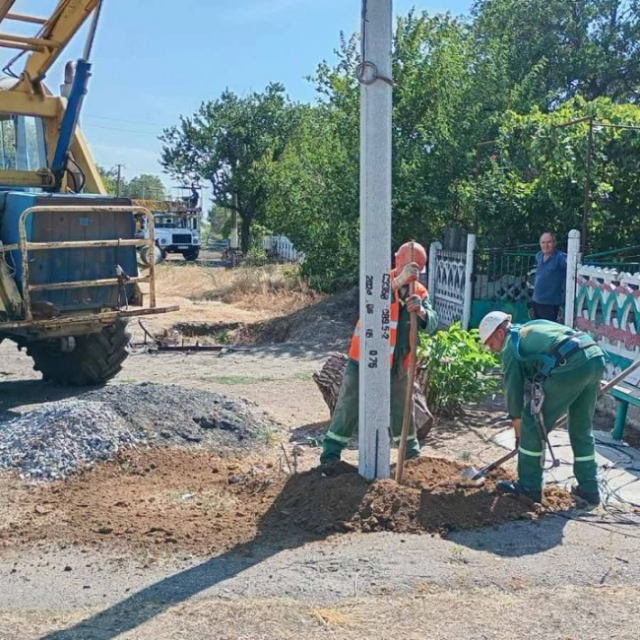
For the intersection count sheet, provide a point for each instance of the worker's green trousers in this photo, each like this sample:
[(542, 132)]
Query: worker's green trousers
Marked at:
[(573, 389), (345, 415)]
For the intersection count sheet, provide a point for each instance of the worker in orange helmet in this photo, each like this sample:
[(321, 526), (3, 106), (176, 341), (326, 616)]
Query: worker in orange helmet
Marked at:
[(410, 260)]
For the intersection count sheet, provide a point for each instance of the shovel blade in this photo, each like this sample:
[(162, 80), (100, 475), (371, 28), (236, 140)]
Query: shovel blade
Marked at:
[(471, 473)]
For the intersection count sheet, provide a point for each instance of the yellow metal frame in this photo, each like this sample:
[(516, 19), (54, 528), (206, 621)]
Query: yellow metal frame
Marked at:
[(30, 97)]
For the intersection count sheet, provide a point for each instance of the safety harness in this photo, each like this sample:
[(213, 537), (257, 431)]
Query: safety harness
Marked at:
[(556, 358), (559, 354)]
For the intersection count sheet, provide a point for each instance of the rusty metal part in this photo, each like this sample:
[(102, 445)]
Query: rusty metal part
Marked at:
[(201, 347), (161, 346), (24, 247), (107, 317)]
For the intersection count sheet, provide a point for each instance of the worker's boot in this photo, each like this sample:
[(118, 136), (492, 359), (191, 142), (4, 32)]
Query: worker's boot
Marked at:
[(516, 489), (412, 451), (331, 451), (592, 497)]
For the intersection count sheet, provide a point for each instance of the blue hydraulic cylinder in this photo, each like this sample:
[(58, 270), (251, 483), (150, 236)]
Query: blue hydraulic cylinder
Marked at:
[(70, 118)]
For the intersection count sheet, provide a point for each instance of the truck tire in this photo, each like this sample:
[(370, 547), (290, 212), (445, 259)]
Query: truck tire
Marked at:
[(191, 254), (97, 357)]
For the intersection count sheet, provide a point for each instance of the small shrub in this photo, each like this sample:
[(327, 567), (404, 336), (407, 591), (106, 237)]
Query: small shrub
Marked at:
[(455, 369)]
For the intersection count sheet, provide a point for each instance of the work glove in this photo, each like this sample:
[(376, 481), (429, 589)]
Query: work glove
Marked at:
[(414, 304), (408, 273)]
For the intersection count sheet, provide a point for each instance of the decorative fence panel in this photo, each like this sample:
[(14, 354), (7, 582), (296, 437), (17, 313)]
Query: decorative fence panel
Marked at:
[(607, 306), (447, 283), (281, 248)]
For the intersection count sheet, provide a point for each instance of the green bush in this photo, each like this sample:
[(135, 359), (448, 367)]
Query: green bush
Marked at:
[(455, 369)]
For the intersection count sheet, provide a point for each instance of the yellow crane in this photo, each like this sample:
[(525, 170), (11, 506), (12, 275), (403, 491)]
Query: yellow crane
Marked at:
[(69, 271), (24, 93)]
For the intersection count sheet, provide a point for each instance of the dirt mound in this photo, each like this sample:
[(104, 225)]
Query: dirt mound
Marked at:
[(328, 323), (162, 501), (433, 498)]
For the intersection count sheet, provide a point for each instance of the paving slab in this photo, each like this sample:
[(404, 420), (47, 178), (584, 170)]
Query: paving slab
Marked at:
[(618, 465)]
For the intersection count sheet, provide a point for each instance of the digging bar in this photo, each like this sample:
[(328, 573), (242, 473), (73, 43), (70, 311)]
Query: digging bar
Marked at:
[(408, 399), (468, 473)]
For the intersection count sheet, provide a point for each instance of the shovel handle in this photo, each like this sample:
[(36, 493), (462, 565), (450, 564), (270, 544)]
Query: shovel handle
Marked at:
[(494, 465), (408, 400), (562, 421)]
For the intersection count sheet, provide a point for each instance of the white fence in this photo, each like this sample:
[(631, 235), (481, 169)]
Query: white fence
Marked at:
[(281, 247)]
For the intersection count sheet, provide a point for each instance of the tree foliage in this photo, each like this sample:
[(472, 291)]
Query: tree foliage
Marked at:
[(142, 187), (477, 106), (313, 199), (227, 142), (537, 175)]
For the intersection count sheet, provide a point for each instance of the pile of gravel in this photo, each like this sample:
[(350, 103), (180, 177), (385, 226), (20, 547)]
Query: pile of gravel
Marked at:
[(58, 438), (175, 414)]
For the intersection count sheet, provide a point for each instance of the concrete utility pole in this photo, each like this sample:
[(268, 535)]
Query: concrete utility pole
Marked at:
[(374, 75), (118, 180)]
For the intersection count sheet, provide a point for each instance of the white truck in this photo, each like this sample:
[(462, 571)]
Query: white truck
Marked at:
[(177, 228)]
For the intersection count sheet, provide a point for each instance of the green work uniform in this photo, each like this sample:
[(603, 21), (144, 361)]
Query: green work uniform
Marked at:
[(570, 387), (346, 413)]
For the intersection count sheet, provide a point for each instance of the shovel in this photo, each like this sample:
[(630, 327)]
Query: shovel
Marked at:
[(471, 473)]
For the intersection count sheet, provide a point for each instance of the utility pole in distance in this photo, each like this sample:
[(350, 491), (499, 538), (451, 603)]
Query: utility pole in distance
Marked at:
[(118, 180), (374, 75)]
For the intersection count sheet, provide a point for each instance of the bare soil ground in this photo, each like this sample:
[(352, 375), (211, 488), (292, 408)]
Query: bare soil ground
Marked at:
[(150, 507), (161, 501)]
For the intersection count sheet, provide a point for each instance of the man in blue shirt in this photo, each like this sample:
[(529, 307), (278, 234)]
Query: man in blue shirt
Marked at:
[(551, 275)]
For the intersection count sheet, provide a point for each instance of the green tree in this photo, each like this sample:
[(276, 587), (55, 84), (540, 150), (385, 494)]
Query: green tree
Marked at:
[(559, 48), (227, 142), (219, 219), (313, 199), (144, 187), (536, 178), (109, 178)]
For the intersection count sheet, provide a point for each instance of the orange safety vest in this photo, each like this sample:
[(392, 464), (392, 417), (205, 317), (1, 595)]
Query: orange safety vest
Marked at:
[(394, 314)]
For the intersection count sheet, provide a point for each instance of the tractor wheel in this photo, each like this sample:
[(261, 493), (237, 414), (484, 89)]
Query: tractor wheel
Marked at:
[(96, 358)]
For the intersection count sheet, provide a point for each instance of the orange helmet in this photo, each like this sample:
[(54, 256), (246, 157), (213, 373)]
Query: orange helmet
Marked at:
[(411, 252)]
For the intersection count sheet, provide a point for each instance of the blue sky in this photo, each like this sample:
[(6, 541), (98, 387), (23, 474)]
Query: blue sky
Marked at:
[(150, 65)]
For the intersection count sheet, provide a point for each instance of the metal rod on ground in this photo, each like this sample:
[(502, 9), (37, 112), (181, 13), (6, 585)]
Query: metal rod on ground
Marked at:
[(408, 400)]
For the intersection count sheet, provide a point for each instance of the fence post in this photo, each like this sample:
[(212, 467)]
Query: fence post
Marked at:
[(468, 284), (573, 251), (434, 247)]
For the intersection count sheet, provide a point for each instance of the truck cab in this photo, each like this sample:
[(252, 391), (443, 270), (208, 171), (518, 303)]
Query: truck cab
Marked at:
[(176, 230)]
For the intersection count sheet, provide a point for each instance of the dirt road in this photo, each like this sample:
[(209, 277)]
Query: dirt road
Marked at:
[(209, 568)]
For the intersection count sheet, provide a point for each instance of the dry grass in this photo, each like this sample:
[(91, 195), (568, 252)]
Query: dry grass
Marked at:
[(274, 287), (445, 615)]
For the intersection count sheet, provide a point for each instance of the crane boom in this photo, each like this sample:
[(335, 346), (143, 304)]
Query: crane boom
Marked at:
[(43, 48), (29, 97)]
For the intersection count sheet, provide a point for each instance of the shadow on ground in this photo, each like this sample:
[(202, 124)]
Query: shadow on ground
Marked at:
[(281, 528)]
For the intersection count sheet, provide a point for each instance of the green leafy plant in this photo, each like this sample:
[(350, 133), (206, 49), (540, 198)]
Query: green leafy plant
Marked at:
[(455, 369)]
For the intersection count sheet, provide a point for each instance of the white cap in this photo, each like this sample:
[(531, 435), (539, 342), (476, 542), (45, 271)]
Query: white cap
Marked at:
[(490, 323)]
